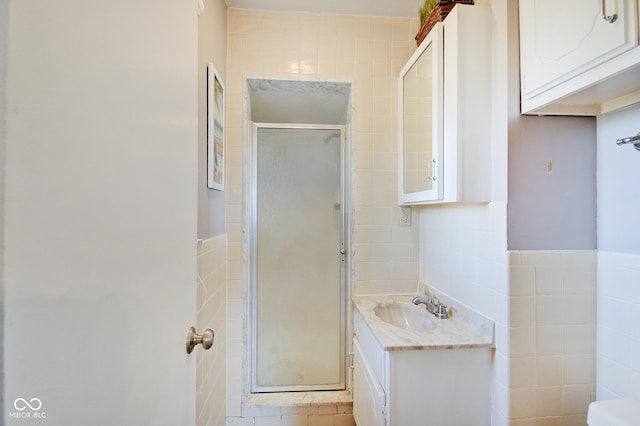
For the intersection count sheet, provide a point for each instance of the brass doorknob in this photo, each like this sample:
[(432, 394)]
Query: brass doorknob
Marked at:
[(194, 339)]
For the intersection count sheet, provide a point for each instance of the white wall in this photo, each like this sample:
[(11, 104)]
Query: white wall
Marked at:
[(618, 347), (618, 176), (463, 254), (212, 47)]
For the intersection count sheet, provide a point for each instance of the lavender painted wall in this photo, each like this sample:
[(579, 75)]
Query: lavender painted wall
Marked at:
[(552, 183), (212, 47)]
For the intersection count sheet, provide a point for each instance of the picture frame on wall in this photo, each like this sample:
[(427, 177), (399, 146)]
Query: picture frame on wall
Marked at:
[(215, 129)]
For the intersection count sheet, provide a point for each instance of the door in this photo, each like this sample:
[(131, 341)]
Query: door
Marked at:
[(369, 398), (100, 212), (562, 39), (298, 291)]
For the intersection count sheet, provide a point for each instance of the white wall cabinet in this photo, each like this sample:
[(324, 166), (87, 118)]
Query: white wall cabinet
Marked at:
[(418, 387), (445, 113), (578, 57), (421, 132)]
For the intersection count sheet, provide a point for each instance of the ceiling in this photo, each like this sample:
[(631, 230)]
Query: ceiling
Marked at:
[(394, 8)]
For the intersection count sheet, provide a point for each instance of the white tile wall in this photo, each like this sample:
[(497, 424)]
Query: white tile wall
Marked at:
[(368, 51), (552, 320), (618, 362), (211, 301)]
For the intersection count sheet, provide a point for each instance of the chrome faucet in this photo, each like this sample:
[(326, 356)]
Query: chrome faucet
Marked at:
[(433, 305)]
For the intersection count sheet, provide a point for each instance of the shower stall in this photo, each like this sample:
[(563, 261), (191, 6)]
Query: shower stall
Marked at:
[(298, 295)]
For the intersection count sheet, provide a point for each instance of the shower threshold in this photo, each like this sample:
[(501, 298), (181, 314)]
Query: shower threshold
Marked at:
[(342, 400)]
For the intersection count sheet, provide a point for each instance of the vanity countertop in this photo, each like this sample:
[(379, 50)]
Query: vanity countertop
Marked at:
[(462, 330)]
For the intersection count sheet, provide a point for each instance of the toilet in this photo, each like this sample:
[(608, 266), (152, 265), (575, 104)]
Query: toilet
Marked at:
[(614, 412)]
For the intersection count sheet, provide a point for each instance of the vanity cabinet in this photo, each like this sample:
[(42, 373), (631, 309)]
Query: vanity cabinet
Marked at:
[(418, 387), (578, 57), (445, 108), (369, 398)]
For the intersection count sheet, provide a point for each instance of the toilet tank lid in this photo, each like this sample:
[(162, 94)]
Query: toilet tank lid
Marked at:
[(614, 412)]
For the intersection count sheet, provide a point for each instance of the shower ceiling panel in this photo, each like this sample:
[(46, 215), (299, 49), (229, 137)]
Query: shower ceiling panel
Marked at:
[(283, 101)]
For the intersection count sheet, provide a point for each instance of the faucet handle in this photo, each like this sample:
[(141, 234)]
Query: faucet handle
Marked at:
[(442, 311)]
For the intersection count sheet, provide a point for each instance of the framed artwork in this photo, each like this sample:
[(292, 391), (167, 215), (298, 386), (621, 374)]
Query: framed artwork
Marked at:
[(215, 129)]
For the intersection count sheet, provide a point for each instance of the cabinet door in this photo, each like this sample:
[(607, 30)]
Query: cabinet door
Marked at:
[(420, 128), (560, 39), (369, 399)]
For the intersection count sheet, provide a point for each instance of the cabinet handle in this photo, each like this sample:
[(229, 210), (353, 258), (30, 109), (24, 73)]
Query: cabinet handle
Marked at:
[(433, 169), (609, 18)]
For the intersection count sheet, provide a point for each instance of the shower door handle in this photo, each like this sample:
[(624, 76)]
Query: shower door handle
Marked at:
[(194, 339), (609, 18)]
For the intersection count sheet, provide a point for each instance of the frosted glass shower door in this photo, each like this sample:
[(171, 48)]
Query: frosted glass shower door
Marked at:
[(299, 299)]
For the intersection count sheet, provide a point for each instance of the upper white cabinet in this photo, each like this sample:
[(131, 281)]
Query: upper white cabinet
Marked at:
[(445, 113), (421, 129), (578, 56)]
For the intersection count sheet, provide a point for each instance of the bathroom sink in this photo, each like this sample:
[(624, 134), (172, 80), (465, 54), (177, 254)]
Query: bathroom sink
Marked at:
[(405, 315)]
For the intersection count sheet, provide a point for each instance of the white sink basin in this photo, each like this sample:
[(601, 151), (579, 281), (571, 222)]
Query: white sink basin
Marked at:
[(405, 315)]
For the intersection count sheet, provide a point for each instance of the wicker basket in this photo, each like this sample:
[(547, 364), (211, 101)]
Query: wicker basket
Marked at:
[(439, 12)]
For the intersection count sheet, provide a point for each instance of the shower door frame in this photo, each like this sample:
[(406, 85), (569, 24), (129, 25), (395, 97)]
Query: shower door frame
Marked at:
[(253, 251)]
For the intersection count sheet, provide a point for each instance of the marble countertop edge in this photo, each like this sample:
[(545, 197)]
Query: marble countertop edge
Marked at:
[(449, 333)]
